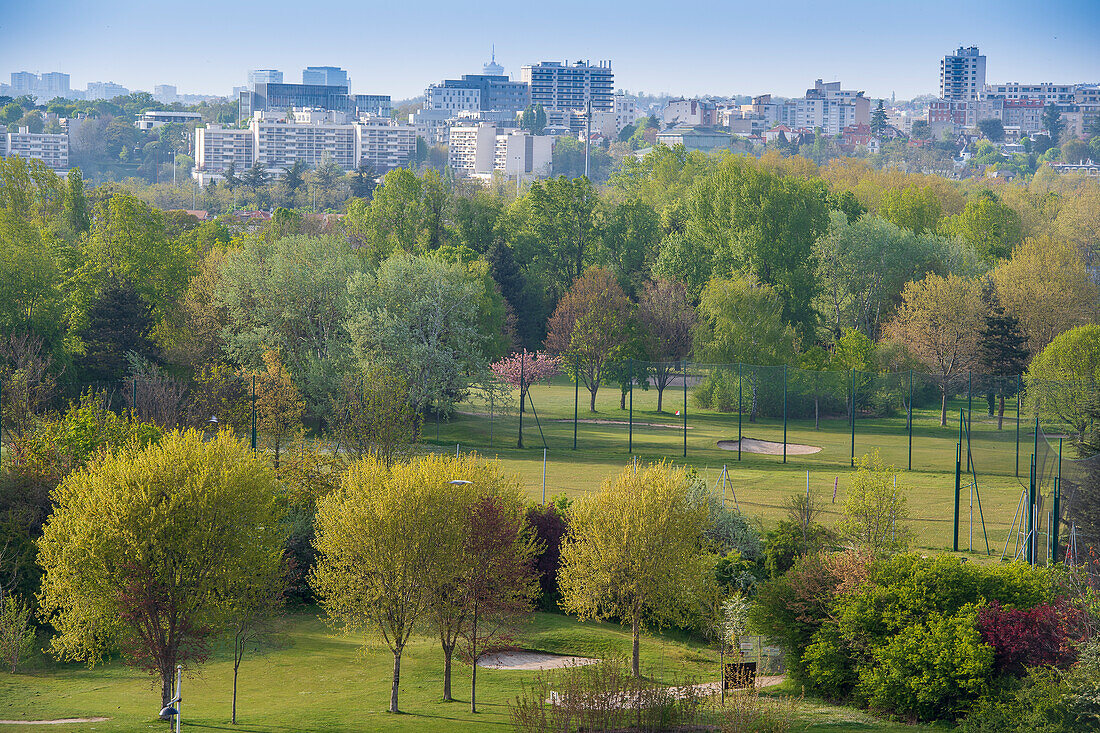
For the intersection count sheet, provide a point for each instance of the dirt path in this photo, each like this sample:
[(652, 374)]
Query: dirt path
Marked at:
[(768, 447), (597, 421), (530, 660)]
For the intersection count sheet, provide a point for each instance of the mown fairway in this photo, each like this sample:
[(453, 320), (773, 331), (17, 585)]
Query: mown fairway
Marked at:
[(312, 679), (760, 483)]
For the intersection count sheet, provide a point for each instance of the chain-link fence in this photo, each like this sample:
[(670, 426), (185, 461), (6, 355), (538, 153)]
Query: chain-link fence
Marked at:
[(965, 427)]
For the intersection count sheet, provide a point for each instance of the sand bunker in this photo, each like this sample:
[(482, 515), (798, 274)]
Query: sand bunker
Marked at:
[(530, 660), (768, 447), (62, 721)]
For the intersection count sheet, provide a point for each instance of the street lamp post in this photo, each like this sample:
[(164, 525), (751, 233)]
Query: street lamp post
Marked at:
[(177, 700)]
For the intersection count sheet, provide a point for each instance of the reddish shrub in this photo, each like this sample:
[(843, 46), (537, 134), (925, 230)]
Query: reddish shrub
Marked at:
[(1040, 636)]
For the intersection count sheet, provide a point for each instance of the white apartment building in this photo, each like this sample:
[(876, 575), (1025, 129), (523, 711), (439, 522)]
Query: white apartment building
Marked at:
[(479, 151), (51, 149), (277, 144), (383, 145), (1047, 92), (827, 106), (154, 118), (452, 99), (104, 90), (558, 85), (626, 111), (962, 74)]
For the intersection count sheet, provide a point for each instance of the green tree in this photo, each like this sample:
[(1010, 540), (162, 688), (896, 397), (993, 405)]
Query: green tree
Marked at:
[(879, 122), (940, 321), (419, 316), (289, 294), (993, 129), (17, 633), (628, 243), (141, 546), (634, 549), (76, 204), (589, 328), (294, 176), (563, 220), (666, 320), (1063, 378), (372, 413), (741, 321), (118, 324), (765, 224), (1053, 122), (381, 548), (323, 181), (534, 119), (914, 208), (875, 508), (990, 226), (1004, 351), (279, 406), (364, 180), (684, 259)]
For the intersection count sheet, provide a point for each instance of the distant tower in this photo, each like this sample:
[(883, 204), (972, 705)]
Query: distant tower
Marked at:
[(493, 68)]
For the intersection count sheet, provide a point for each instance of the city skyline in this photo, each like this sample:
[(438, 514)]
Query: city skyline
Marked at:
[(389, 50)]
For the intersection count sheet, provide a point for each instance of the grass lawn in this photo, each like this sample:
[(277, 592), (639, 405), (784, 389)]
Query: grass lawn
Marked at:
[(759, 484), (312, 679)]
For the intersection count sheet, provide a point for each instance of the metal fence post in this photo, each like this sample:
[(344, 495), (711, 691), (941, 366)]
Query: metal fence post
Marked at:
[(740, 407), (1057, 510), (852, 458), (969, 407), (684, 364), (253, 413), (522, 396), (785, 414), (1018, 398), (910, 419), (630, 430), (576, 395), (958, 490)]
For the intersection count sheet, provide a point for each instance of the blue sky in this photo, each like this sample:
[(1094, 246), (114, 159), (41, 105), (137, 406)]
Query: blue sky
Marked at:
[(683, 48)]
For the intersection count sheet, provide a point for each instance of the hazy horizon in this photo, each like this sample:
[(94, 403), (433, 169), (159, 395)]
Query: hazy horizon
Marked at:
[(654, 47)]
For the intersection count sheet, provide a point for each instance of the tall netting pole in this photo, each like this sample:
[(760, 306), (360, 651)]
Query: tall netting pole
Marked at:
[(522, 396), (576, 396), (910, 419), (685, 370), (1018, 393), (1056, 519), (852, 384), (630, 429), (740, 407), (969, 407), (785, 418), (958, 491)]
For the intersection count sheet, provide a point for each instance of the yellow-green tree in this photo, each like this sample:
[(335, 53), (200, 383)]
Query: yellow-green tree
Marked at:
[(940, 319), (384, 544), (1062, 379), (143, 546), (279, 406), (1046, 286), (875, 508), (634, 549)]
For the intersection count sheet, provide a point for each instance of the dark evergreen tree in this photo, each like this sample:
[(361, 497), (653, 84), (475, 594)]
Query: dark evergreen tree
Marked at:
[(294, 175), (878, 121), (119, 323), (255, 177), (364, 181), (1004, 353), (1053, 122), (520, 294)]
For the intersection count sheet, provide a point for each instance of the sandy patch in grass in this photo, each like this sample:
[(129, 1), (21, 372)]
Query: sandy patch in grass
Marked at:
[(530, 660), (768, 447)]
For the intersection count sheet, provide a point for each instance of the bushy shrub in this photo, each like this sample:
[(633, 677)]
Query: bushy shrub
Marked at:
[(549, 524), (1027, 638), (1039, 703), (788, 542)]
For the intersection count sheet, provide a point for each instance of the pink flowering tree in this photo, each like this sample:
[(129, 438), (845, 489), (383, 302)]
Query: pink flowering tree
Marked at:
[(523, 369)]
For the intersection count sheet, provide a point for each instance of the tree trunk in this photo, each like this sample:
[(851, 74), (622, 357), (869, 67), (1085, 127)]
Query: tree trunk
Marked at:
[(522, 400), (943, 406), (592, 401), (635, 630), (660, 395), (817, 416), (447, 650), (1001, 412), (990, 399), (473, 660), (166, 675), (236, 666), (622, 400), (396, 681)]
